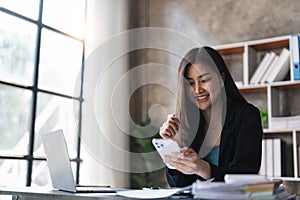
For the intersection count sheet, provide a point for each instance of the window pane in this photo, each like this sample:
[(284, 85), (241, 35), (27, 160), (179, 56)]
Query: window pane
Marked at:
[(13, 172), (60, 63), (15, 114), (28, 8), (17, 49), (67, 16), (40, 174), (55, 113)]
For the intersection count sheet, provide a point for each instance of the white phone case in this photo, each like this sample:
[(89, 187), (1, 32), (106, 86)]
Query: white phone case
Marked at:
[(165, 146)]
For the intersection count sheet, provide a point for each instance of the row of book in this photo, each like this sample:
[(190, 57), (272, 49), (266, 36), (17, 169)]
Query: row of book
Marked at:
[(275, 67), (273, 162), (272, 67)]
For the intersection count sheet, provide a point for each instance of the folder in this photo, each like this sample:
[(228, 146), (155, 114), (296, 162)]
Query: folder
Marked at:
[(263, 166), (260, 69), (279, 154), (264, 67), (280, 68), (269, 158), (270, 69), (294, 46)]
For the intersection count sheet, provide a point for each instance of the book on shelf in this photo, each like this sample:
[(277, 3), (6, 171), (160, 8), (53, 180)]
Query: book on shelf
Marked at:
[(273, 161), (262, 68), (259, 69), (294, 47), (263, 166), (272, 67), (269, 70), (269, 161), (298, 149), (279, 151), (280, 68)]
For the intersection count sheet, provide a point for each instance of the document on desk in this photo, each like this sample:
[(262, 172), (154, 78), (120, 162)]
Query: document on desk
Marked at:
[(149, 193)]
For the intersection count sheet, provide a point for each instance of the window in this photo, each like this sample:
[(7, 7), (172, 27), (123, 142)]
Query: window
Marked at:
[(41, 70)]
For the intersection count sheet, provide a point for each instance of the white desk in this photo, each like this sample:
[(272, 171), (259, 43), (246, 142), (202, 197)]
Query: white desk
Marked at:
[(43, 193), (31, 193)]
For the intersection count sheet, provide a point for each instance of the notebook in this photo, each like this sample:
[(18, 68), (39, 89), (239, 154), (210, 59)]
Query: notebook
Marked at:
[(60, 167)]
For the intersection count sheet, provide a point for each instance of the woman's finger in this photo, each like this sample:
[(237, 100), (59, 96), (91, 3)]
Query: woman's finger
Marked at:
[(169, 129)]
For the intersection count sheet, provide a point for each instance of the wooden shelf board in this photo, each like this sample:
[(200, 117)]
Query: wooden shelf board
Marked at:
[(271, 45), (277, 131), (253, 88), (286, 178), (233, 50), (286, 85)]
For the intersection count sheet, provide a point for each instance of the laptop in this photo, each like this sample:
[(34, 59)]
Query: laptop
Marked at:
[(60, 167)]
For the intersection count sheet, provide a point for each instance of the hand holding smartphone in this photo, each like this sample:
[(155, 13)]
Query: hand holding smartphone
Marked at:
[(165, 146)]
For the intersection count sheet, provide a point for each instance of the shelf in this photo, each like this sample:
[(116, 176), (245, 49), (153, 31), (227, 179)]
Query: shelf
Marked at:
[(285, 178), (286, 84), (270, 45), (278, 131), (232, 50), (254, 88), (279, 98)]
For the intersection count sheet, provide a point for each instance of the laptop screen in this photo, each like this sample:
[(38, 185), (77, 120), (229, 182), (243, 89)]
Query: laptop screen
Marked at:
[(58, 161)]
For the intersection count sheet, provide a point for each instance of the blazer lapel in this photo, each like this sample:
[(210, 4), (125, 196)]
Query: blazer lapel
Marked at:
[(227, 130)]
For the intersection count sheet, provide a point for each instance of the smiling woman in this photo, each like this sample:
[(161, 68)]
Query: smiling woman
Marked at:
[(205, 84), (220, 131)]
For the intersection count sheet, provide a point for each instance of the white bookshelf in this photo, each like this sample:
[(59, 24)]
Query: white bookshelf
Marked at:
[(279, 99)]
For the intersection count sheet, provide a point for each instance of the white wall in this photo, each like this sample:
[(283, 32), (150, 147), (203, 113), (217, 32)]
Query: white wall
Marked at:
[(104, 143)]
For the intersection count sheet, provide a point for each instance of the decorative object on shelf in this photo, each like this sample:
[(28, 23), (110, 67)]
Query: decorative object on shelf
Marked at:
[(263, 115)]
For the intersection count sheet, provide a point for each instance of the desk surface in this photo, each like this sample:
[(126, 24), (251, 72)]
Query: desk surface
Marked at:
[(44, 193)]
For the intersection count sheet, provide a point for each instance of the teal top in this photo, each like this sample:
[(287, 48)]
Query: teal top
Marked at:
[(213, 156)]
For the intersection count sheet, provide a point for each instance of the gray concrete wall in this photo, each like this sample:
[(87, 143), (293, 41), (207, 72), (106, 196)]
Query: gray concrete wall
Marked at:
[(225, 21), (209, 22)]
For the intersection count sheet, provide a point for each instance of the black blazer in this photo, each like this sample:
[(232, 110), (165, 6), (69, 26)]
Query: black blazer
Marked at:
[(240, 146)]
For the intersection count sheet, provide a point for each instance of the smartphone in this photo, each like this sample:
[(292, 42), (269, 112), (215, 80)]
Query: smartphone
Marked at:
[(165, 146)]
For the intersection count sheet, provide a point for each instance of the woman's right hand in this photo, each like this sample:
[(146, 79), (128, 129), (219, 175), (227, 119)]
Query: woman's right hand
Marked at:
[(170, 128)]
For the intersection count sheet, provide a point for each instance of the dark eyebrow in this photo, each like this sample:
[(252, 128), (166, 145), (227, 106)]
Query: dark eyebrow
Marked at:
[(198, 76)]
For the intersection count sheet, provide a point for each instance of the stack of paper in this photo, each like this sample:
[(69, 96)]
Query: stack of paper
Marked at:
[(285, 122), (217, 190), (239, 190)]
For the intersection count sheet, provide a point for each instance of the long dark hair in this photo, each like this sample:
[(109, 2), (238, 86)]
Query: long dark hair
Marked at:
[(189, 114)]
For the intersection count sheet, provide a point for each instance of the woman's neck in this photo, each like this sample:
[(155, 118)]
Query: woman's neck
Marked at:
[(214, 123), (214, 113)]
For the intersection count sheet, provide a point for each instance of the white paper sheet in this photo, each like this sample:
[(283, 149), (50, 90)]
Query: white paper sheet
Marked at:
[(148, 193)]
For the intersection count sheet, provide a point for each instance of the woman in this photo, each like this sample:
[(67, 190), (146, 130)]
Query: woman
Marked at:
[(220, 131)]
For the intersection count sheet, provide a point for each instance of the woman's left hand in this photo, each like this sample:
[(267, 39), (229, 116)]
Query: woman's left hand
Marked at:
[(188, 162)]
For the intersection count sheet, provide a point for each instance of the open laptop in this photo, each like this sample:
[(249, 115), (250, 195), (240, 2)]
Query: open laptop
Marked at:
[(60, 167)]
